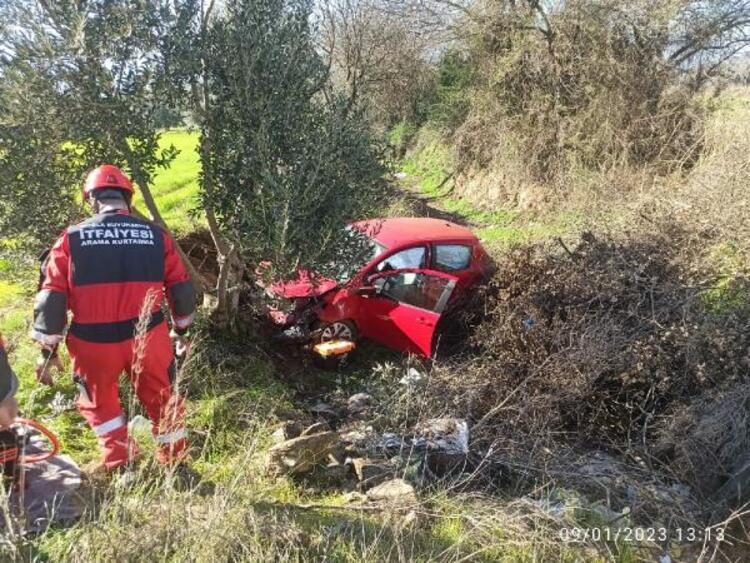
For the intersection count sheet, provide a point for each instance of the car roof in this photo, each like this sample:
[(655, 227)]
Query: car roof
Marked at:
[(397, 231)]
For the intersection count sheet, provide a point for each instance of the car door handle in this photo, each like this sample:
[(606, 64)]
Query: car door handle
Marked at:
[(425, 321)]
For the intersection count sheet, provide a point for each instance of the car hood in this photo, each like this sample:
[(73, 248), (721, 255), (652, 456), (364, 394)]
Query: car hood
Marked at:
[(306, 284)]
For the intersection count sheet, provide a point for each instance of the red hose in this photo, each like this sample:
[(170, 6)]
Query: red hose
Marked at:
[(11, 454)]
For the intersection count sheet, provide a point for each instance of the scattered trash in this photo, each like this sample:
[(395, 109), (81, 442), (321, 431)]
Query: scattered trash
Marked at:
[(445, 442), (393, 442), (413, 379), (334, 348), (293, 334), (400, 175), (333, 354)]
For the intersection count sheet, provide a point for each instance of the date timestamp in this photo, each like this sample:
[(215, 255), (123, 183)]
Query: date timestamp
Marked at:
[(641, 535)]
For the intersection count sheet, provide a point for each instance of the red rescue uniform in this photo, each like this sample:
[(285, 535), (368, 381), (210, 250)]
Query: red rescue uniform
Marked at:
[(103, 271)]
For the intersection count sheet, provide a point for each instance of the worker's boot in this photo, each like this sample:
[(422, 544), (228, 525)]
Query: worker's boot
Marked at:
[(96, 473)]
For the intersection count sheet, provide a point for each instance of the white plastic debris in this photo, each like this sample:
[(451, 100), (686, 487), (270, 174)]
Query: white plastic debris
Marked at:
[(413, 378), (447, 435), (139, 425)]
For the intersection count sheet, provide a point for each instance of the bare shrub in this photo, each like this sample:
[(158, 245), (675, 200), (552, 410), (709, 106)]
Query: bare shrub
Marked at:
[(588, 87), (706, 438), (376, 59), (599, 348)]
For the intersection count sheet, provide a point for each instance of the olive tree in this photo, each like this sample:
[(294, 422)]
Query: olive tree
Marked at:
[(285, 161), (78, 87)]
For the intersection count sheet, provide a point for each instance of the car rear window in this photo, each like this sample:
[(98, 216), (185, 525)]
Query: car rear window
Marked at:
[(452, 257)]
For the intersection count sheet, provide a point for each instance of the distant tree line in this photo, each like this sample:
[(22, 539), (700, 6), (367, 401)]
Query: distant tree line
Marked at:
[(290, 98), (286, 160)]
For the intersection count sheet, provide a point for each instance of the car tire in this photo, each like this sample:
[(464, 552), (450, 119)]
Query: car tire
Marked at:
[(344, 330)]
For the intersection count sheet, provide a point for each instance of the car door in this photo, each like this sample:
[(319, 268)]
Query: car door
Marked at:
[(403, 309)]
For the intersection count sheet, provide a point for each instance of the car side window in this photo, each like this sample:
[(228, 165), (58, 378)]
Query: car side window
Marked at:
[(416, 289), (415, 258), (452, 257)]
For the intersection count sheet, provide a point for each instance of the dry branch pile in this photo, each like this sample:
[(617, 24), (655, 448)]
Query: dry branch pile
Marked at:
[(614, 346)]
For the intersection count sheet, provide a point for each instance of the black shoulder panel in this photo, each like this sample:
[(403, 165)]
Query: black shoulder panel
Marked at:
[(116, 249), (50, 312)]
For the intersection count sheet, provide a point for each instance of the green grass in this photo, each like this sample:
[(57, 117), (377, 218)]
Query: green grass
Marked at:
[(730, 292), (235, 398), (429, 168), (176, 188)]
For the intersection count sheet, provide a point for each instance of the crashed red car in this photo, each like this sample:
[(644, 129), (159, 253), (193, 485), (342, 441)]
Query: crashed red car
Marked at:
[(416, 270)]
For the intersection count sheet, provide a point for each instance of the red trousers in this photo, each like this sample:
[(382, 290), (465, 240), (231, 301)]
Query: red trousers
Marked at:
[(97, 369)]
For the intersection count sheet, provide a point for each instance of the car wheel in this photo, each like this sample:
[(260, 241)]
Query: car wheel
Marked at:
[(339, 330)]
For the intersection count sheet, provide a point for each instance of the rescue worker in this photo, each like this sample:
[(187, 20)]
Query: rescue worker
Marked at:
[(103, 270), (8, 387)]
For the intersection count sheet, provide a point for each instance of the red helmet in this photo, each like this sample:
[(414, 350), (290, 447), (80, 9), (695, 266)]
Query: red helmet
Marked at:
[(107, 176)]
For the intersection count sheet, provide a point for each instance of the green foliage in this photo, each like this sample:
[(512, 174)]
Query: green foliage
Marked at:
[(36, 171), (77, 88), (290, 162), (731, 290), (452, 98), (401, 136)]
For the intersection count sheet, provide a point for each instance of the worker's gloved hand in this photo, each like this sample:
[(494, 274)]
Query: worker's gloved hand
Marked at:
[(45, 366), (8, 412), (182, 343)]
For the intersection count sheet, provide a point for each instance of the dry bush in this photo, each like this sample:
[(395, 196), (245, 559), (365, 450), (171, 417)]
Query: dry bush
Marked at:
[(586, 87), (377, 59), (714, 197), (597, 349), (706, 439)]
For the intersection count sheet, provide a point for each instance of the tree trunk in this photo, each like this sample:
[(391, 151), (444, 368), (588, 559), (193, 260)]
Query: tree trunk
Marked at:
[(226, 306), (156, 217)]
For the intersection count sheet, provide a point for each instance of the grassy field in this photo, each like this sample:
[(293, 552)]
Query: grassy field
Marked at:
[(236, 396), (176, 189)]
